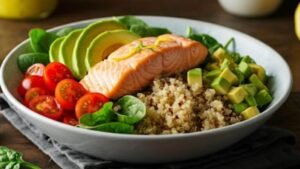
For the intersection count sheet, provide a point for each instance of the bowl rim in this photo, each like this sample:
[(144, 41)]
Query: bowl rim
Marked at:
[(267, 112)]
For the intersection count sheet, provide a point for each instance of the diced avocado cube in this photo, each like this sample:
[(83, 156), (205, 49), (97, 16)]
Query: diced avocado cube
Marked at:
[(221, 85), (251, 100), (250, 89), (247, 59), (229, 76), (250, 112), (257, 82), (213, 74), (237, 95), (240, 75), (259, 71), (263, 98), (212, 66), (245, 69), (219, 55), (194, 76), (238, 108), (225, 64)]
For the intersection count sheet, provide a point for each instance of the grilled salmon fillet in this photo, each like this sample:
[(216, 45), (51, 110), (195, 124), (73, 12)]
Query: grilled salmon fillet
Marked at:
[(134, 66)]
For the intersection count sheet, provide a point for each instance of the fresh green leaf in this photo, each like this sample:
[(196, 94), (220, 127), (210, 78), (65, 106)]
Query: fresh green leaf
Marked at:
[(41, 40), (115, 127), (131, 21), (104, 115), (230, 41), (211, 43), (11, 159), (132, 109), (27, 59), (64, 31), (148, 31)]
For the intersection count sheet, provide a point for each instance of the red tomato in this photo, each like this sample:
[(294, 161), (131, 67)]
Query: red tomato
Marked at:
[(46, 106), (35, 69), (67, 92), (89, 103), (21, 90), (54, 73), (71, 120), (34, 92), (31, 82)]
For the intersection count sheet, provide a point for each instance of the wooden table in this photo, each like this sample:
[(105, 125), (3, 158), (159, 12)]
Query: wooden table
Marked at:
[(276, 30)]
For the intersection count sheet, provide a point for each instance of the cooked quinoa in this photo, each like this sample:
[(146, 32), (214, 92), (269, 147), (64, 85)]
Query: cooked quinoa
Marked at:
[(175, 107)]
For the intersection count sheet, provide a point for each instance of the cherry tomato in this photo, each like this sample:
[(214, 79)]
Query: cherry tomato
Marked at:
[(35, 69), (71, 120), (34, 92), (54, 73), (46, 106), (67, 92), (89, 103), (31, 82), (21, 90)]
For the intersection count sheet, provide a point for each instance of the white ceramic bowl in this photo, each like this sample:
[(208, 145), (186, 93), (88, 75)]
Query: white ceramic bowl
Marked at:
[(157, 148)]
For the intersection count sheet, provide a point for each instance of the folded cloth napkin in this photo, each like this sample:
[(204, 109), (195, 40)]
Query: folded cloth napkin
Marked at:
[(266, 148)]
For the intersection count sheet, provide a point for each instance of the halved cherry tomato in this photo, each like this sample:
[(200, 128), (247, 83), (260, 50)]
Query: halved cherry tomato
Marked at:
[(89, 103), (71, 120), (36, 69), (30, 82), (54, 73), (34, 92), (46, 106), (67, 93)]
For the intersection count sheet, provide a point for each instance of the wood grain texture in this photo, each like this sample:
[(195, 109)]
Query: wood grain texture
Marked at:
[(276, 30)]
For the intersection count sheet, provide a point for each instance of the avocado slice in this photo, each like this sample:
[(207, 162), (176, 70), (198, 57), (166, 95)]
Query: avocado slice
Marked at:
[(257, 82), (194, 76), (250, 112), (84, 40), (219, 55), (225, 64), (259, 71), (54, 50), (105, 43), (237, 95), (239, 74), (245, 69), (66, 48), (213, 74), (221, 85), (263, 98), (212, 66), (238, 108), (229, 76), (251, 100), (250, 88)]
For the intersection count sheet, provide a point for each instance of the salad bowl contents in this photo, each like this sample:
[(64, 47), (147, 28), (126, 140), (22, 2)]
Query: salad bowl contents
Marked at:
[(156, 87)]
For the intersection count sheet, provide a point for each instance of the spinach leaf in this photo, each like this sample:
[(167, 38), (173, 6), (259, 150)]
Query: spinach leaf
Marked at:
[(139, 27), (104, 115), (129, 21), (115, 127), (211, 43), (10, 159), (148, 31), (27, 59), (64, 31), (40, 40), (132, 109)]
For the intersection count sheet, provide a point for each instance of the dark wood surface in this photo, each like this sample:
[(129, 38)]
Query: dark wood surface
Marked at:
[(276, 30)]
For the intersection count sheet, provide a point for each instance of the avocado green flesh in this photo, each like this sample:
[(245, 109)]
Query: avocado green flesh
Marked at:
[(54, 50), (105, 43), (194, 76), (66, 48), (84, 40)]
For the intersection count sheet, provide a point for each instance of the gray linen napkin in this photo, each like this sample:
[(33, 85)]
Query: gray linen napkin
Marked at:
[(268, 147)]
